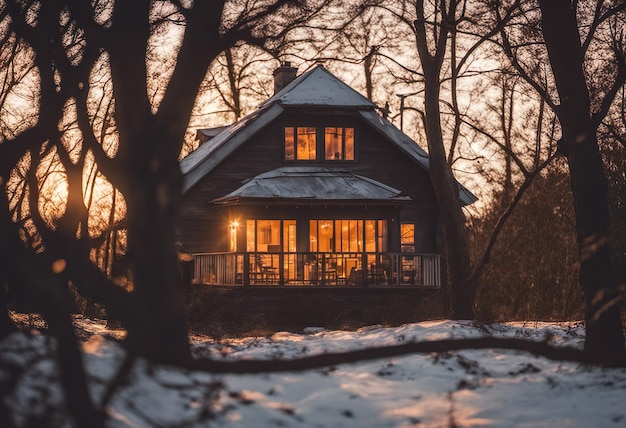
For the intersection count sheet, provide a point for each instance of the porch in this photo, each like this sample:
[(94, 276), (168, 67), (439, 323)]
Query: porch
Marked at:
[(318, 269)]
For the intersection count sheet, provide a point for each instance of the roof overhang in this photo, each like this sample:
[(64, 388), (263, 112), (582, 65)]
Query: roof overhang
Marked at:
[(206, 157), (313, 186)]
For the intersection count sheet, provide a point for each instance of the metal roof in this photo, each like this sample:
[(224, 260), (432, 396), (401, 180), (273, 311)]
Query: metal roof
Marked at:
[(311, 184), (319, 87), (206, 157)]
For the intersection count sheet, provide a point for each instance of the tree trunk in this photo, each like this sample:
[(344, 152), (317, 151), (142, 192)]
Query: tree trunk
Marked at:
[(604, 338), (151, 183), (459, 301), (460, 291), (160, 333)]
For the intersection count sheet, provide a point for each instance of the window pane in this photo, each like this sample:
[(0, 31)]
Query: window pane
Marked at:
[(344, 225), (382, 236), (370, 236), (325, 236), (356, 226), (306, 144), (349, 144), (407, 237), (313, 232), (289, 144), (250, 234), (348, 236), (274, 235), (333, 147), (289, 236), (268, 235)]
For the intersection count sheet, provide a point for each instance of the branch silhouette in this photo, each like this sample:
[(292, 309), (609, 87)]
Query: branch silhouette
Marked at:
[(542, 349)]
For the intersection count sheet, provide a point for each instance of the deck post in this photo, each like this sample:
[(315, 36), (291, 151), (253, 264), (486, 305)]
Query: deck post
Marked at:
[(246, 269), (364, 269), (281, 270)]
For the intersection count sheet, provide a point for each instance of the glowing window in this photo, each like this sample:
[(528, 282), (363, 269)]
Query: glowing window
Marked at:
[(407, 237), (338, 143), (300, 143), (348, 235)]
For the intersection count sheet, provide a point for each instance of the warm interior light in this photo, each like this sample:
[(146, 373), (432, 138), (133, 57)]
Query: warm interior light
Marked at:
[(233, 226)]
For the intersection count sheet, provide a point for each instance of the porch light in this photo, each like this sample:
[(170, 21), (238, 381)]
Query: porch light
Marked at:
[(232, 235)]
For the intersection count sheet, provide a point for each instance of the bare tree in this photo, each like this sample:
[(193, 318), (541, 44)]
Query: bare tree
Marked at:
[(150, 127), (565, 34), (450, 37), (69, 45), (579, 126), (436, 27)]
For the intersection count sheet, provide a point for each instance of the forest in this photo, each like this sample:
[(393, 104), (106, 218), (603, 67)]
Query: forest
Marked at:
[(522, 101)]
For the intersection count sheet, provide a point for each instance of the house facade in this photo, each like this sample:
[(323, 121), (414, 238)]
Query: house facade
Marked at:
[(315, 188)]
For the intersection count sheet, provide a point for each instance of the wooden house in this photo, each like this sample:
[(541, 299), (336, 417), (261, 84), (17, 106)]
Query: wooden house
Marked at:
[(315, 188)]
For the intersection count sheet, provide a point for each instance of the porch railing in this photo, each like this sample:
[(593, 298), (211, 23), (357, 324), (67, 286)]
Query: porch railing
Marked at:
[(318, 269)]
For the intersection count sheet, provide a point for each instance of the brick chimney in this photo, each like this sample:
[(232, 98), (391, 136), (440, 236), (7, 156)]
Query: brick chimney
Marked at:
[(283, 76)]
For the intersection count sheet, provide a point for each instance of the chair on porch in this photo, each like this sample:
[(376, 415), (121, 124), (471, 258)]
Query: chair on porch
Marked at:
[(355, 277), (265, 273), (330, 273), (378, 274)]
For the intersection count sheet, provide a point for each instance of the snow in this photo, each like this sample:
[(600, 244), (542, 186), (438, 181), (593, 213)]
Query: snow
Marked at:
[(486, 388)]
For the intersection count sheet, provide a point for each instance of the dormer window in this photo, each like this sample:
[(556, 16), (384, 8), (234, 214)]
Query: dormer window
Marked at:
[(338, 143), (300, 143)]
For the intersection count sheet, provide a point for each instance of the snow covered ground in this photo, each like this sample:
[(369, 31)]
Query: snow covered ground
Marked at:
[(489, 388)]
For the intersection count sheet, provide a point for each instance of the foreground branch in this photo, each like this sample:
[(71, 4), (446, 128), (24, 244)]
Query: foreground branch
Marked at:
[(542, 349)]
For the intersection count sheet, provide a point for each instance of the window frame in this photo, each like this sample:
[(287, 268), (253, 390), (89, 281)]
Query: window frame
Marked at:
[(343, 143), (290, 143), (407, 237)]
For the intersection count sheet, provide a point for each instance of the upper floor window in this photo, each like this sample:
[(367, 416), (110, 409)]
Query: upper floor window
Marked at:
[(338, 143), (300, 143)]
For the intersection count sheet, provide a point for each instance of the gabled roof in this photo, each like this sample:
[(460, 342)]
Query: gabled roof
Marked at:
[(317, 87), (312, 184), (206, 157)]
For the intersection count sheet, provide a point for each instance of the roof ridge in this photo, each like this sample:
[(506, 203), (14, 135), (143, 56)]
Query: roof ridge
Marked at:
[(340, 95)]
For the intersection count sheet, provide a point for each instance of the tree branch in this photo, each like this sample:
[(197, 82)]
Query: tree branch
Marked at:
[(542, 349), (480, 265)]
